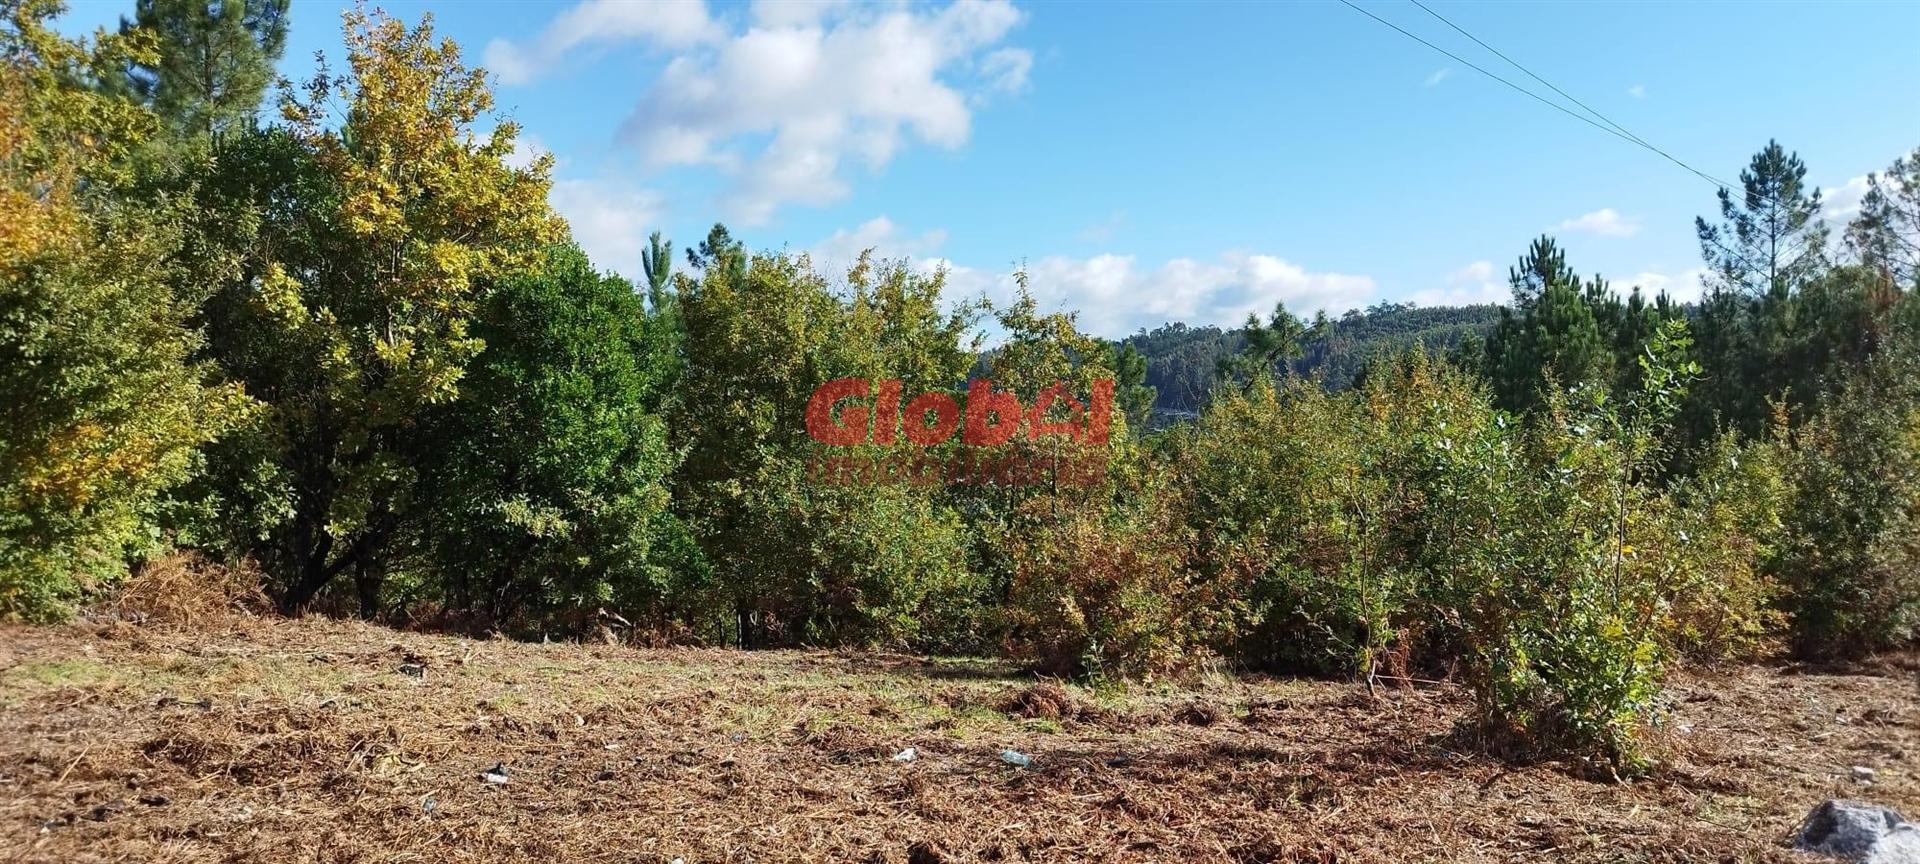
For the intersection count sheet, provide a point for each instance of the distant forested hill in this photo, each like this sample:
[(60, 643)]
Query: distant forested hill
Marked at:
[(1181, 359)]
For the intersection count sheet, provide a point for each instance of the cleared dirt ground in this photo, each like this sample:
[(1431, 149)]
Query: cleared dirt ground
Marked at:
[(335, 741)]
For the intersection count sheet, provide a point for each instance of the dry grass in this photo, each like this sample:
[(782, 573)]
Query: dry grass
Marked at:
[(183, 589), (266, 740)]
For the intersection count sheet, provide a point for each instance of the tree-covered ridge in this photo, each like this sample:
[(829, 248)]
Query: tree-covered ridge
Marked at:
[(1183, 360)]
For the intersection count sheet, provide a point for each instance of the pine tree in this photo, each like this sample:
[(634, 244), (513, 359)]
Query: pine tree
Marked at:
[(1769, 245), (657, 261), (215, 61), (1550, 332), (1772, 239), (1270, 347), (720, 251), (1886, 234)]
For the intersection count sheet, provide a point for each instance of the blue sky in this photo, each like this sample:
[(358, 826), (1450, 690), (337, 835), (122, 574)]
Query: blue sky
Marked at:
[(1154, 162)]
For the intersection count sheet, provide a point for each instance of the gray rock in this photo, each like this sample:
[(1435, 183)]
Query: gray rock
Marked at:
[(1859, 832), (1900, 846)]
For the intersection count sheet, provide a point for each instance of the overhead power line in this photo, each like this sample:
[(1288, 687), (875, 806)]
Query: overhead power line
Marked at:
[(1624, 131), (1598, 121), (1476, 67)]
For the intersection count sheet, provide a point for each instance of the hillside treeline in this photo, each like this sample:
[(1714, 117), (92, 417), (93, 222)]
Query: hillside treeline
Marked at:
[(355, 347), (1183, 362)]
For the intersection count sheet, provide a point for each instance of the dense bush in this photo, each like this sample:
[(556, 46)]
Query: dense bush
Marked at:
[(1851, 556)]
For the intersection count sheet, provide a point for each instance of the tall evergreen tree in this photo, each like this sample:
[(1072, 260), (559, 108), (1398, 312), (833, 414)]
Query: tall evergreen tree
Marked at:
[(1270, 347), (1550, 331), (1886, 234), (1769, 246), (657, 261), (721, 251), (1772, 239), (214, 64)]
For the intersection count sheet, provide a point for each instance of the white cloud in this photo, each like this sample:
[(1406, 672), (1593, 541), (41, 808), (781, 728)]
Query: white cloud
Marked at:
[(794, 13), (1438, 76), (1684, 287), (1115, 296), (1637, 91), (527, 149), (1475, 283), (1842, 203), (667, 24), (1006, 69), (610, 220), (1605, 222), (781, 107), (881, 235)]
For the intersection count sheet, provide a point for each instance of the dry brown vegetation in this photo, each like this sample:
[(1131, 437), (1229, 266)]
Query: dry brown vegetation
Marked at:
[(317, 740)]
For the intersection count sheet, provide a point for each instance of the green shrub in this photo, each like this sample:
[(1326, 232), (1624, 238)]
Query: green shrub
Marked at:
[(1851, 554), (1568, 657), (1726, 527), (1104, 591)]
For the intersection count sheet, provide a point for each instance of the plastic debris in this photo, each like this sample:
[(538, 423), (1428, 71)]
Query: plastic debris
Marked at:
[(907, 755), (1016, 758), (497, 775)]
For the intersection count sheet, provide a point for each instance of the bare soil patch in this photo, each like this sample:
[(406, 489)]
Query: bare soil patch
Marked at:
[(325, 741)]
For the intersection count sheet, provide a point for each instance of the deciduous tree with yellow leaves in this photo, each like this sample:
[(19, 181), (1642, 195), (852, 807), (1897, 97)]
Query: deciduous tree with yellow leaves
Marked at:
[(104, 405)]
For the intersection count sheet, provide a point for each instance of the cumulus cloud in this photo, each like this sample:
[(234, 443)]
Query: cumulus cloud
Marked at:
[(610, 220), (1478, 282), (1604, 222), (1842, 202), (1438, 76), (881, 235), (1637, 91), (666, 24), (1684, 287), (526, 150), (781, 107), (1006, 69), (1115, 295)]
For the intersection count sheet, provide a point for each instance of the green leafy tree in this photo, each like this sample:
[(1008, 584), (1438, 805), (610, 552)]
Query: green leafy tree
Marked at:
[(214, 63), (375, 236), (546, 476), (798, 559), (105, 404), (1131, 390)]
